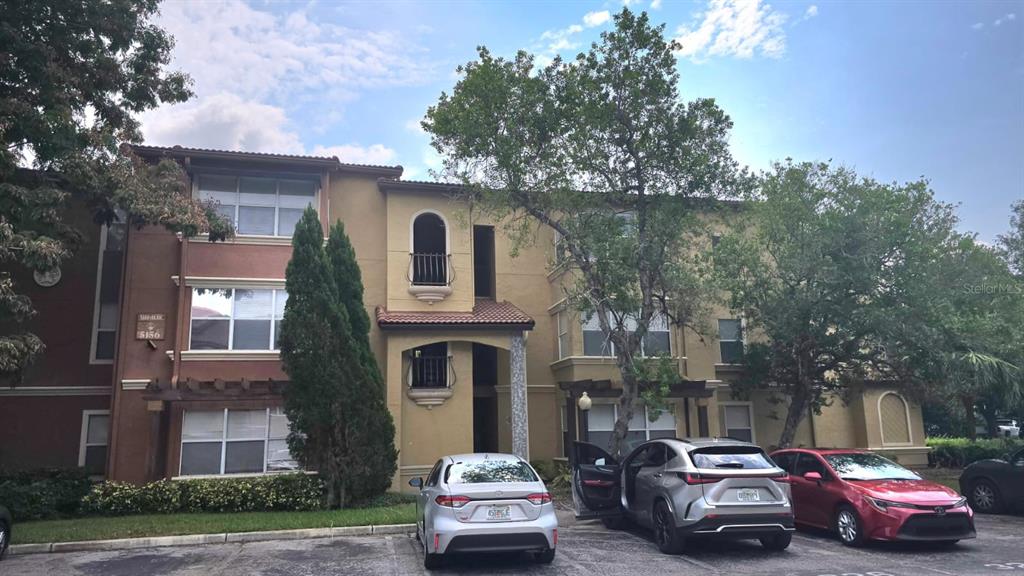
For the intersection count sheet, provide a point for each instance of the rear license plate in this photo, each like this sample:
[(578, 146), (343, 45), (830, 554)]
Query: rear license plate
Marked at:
[(499, 512), (748, 495)]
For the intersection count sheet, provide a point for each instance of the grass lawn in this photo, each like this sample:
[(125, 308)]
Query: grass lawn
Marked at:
[(102, 528), (947, 476)]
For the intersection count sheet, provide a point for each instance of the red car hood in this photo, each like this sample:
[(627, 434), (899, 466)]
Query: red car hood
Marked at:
[(909, 491)]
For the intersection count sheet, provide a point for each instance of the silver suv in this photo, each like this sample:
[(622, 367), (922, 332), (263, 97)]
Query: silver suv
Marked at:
[(683, 489)]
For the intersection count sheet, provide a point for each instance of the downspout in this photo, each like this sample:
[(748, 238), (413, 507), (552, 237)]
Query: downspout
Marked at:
[(179, 333)]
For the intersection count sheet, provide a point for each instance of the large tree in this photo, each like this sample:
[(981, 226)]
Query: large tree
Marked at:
[(73, 75), (1011, 244), (604, 153), (825, 268), (340, 425)]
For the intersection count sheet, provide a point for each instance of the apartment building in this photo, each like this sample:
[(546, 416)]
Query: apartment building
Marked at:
[(171, 367)]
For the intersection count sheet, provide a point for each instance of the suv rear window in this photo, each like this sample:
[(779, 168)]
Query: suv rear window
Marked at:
[(489, 471), (736, 457)]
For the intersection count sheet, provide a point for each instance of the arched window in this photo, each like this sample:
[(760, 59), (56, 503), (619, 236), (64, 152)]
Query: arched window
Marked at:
[(429, 265), (894, 416)]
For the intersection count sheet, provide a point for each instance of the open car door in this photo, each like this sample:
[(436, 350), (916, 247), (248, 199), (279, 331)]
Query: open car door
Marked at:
[(596, 485)]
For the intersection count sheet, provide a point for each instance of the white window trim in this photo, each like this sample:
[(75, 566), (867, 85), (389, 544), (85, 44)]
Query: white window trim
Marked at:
[(561, 315), (224, 440), (742, 340), (647, 423), (277, 199), (723, 425), (881, 425), (96, 302), (274, 321), (611, 345), (84, 435)]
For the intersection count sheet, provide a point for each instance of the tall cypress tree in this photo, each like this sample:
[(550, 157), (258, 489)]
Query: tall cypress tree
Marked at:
[(372, 454), (315, 346)]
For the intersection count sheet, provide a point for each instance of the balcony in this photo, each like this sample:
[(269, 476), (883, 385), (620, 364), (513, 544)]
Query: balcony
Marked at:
[(430, 276), (430, 379)]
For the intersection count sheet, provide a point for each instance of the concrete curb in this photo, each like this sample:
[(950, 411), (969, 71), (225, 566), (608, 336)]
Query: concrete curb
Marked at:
[(201, 539)]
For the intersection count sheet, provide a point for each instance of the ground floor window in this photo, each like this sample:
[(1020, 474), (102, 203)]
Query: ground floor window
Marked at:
[(601, 422), (92, 449), (738, 421), (235, 442)]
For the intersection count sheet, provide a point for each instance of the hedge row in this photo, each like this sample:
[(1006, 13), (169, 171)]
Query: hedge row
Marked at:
[(959, 452), (278, 492), (43, 494)]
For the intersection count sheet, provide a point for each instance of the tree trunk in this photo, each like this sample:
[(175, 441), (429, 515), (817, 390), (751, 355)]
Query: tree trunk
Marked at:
[(627, 403), (991, 424), (795, 414), (968, 404)]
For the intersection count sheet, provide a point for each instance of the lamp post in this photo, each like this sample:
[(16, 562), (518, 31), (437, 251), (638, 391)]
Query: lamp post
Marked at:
[(584, 404)]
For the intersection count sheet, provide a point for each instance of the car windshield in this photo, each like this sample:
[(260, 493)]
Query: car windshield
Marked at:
[(863, 466), (489, 471), (730, 457)]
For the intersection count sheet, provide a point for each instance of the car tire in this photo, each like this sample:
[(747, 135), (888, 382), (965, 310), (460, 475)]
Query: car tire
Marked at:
[(984, 497), (666, 535), (546, 556), (849, 527), (5, 538), (613, 523), (777, 542)]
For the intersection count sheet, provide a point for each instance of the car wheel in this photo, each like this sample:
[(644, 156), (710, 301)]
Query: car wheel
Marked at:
[(5, 537), (848, 527), (777, 542), (613, 523), (666, 536), (984, 497), (545, 557)]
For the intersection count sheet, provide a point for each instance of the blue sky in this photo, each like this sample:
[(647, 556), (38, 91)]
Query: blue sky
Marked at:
[(897, 90)]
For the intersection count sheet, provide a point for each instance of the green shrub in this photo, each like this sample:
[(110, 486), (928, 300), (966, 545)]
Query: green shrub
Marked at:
[(554, 473), (40, 494), (959, 452), (278, 492)]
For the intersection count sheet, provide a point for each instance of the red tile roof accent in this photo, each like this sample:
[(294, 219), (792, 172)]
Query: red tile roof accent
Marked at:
[(485, 313)]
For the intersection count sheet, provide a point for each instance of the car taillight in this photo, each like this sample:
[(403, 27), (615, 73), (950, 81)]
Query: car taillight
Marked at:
[(782, 479), (691, 478), (539, 498), (452, 501)]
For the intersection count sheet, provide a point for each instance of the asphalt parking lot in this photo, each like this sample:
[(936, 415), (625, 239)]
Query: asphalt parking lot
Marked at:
[(584, 549)]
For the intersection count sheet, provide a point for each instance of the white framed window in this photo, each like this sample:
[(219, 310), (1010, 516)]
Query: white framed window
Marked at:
[(93, 442), (656, 342), (730, 340), (738, 420), (562, 322), (258, 206), (215, 442), (236, 318), (601, 423), (107, 301)]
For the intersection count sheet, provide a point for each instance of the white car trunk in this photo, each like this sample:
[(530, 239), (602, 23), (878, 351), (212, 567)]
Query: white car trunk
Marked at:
[(498, 502)]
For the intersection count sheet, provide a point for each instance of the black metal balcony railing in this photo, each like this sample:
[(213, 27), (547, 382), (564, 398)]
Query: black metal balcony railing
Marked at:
[(430, 270), (431, 372)]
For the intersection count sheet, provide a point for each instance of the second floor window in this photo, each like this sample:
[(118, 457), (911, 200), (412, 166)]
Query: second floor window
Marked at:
[(259, 206), (562, 318), (108, 290), (655, 343), (730, 337), (236, 318)]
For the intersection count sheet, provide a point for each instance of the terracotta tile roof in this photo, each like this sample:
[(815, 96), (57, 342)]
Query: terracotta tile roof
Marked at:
[(485, 313)]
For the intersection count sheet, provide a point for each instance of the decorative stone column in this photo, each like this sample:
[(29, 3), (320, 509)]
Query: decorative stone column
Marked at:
[(520, 419)]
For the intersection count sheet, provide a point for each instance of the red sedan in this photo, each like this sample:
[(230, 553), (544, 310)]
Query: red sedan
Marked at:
[(863, 496)]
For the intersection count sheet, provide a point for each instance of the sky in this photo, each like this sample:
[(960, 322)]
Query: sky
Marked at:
[(896, 90)]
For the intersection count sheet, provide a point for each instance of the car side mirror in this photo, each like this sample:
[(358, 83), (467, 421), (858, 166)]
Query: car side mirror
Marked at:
[(813, 476), (416, 482)]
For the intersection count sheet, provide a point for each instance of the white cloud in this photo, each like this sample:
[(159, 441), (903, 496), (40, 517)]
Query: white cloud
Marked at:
[(737, 28), (223, 121), (655, 4), (591, 19), (415, 126), (1008, 18), (977, 26), (811, 12), (355, 154)]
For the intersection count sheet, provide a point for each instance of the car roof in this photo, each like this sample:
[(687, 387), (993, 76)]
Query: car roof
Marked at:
[(694, 443), (823, 451), (482, 456)]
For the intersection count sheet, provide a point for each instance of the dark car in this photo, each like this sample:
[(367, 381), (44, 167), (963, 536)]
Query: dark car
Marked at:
[(686, 489), (995, 486), (863, 496), (5, 530)]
